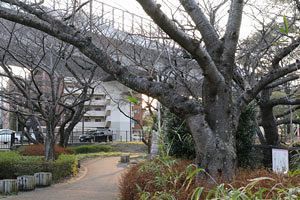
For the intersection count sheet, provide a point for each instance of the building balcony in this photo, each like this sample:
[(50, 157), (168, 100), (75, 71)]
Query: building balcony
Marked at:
[(95, 113), (96, 102), (91, 125)]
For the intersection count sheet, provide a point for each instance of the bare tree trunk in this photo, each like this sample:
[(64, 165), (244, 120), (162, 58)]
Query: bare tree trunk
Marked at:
[(69, 130), (75, 119), (214, 135), (268, 119), (214, 153), (50, 143), (61, 132)]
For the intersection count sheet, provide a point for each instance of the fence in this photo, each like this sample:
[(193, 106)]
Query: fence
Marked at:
[(120, 136)]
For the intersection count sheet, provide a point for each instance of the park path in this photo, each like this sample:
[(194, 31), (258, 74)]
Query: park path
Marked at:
[(98, 180)]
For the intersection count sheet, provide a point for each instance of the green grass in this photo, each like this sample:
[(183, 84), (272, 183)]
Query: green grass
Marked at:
[(83, 149), (83, 156), (130, 147)]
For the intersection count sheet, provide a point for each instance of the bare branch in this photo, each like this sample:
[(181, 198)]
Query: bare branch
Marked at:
[(232, 32), (288, 121), (282, 81), (284, 52), (210, 36), (284, 101), (250, 94), (193, 47), (158, 90), (288, 112)]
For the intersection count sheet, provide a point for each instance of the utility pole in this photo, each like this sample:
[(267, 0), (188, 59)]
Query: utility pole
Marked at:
[(130, 134)]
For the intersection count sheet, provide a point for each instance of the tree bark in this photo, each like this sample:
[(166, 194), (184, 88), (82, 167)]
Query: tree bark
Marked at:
[(268, 120), (215, 150), (50, 143)]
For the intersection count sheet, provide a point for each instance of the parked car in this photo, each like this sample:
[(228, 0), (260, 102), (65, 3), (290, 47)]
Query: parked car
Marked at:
[(104, 135), (6, 135)]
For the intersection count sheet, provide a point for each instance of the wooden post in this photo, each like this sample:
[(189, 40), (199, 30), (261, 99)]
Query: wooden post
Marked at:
[(43, 179), (8, 186), (26, 182)]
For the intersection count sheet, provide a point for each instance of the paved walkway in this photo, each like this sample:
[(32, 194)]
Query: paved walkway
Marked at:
[(97, 181)]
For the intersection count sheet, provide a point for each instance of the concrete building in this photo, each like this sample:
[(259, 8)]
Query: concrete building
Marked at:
[(110, 109)]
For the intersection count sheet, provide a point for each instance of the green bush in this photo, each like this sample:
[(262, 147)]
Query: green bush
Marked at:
[(13, 164), (245, 138), (166, 178), (179, 140), (91, 149), (64, 166)]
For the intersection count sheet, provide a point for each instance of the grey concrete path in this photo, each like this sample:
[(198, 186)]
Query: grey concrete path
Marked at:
[(98, 180)]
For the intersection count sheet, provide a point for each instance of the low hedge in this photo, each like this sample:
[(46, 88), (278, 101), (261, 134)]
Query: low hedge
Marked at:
[(12, 164), (91, 149), (39, 150)]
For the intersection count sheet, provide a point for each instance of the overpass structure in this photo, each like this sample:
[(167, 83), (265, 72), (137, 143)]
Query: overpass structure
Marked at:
[(133, 40)]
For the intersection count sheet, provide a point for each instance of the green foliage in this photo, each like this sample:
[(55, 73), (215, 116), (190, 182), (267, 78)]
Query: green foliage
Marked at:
[(132, 99), (164, 178), (244, 137), (13, 164), (165, 173), (285, 28), (64, 166), (295, 161), (91, 149), (137, 147), (178, 137), (83, 156)]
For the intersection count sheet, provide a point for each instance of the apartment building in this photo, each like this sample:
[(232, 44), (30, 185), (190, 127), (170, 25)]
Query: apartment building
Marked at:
[(110, 109)]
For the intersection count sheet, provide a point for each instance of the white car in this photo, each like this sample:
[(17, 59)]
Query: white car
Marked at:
[(5, 136)]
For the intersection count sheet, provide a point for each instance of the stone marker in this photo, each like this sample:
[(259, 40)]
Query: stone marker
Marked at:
[(280, 160), (43, 179), (125, 158), (26, 182), (8, 186)]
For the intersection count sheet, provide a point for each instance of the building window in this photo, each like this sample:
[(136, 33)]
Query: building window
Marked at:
[(98, 108), (98, 120), (87, 119), (99, 97)]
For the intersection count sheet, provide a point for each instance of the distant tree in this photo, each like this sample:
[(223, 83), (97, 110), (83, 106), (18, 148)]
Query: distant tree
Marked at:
[(43, 95)]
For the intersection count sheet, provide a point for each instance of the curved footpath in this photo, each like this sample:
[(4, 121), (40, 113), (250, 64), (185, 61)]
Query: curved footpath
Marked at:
[(98, 180)]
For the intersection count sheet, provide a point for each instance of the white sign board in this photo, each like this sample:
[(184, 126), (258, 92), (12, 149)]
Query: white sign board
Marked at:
[(280, 160)]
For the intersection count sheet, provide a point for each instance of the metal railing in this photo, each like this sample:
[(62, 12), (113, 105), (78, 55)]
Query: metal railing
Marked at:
[(120, 136), (103, 14)]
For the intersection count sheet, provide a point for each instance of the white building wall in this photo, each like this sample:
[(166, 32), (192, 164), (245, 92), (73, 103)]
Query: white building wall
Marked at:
[(116, 121)]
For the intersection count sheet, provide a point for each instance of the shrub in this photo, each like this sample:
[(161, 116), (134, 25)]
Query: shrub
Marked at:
[(158, 179), (174, 179), (91, 149), (245, 138), (39, 150), (13, 164), (178, 137), (64, 166), (295, 160)]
